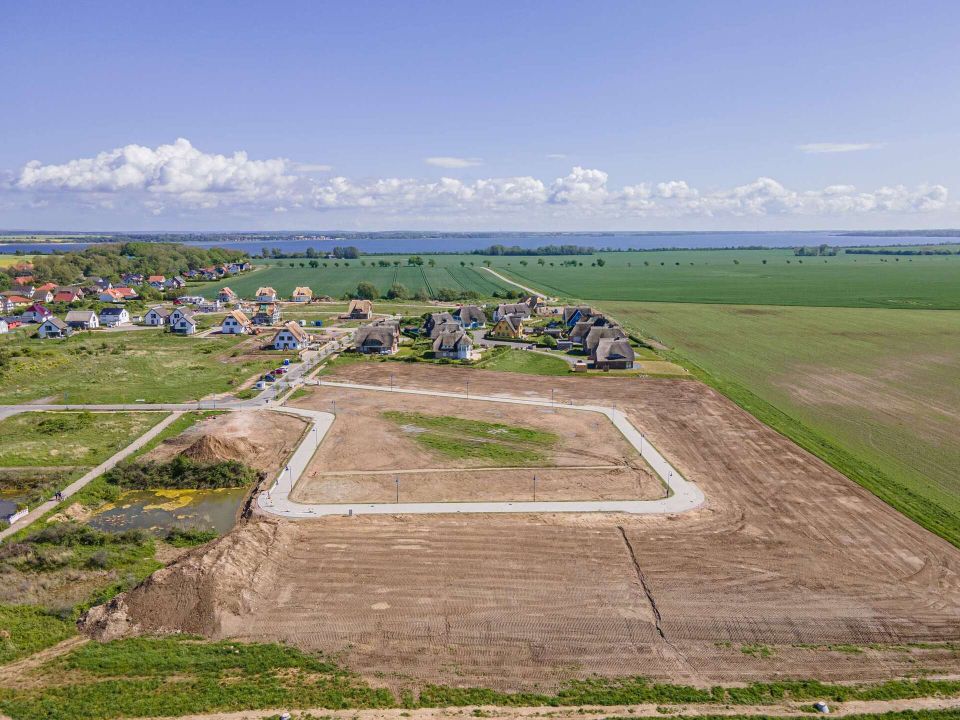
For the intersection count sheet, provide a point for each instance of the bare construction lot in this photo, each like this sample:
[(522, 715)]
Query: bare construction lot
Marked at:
[(790, 570), (376, 444)]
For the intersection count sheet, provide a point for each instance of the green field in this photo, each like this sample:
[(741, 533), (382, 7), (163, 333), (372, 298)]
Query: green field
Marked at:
[(7, 260), (742, 277), (69, 438), (116, 367), (874, 392), (504, 359), (335, 280)]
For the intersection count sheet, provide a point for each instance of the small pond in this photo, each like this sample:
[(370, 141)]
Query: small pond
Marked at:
[(165, 509)]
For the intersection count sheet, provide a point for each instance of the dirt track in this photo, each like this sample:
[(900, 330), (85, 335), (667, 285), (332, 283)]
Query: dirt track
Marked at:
[(787, 554)]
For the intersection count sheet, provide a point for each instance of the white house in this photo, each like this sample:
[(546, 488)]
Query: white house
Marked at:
[(4, 326), (82, 320), (266, 295), (156, 316), (183, 325), (454, 345), (53, 327), (236, 323), (290, 337), (36, 313), (178, 313), (114, 317)]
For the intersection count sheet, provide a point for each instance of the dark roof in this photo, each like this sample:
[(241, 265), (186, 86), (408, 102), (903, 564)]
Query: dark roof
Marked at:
[(514, 321), (570, 311), (521, 309), (56, 322), (161, 311), (382, 335), (112, 310)]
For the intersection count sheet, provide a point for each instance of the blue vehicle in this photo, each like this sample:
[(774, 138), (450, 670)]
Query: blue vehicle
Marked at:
[(287, 361), (318, 323)]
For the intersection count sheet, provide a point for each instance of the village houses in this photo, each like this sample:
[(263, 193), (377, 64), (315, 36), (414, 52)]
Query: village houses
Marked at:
[(157, 316), (377, 340), (266, 295), (302, 295), (54, 327), (454, 345)]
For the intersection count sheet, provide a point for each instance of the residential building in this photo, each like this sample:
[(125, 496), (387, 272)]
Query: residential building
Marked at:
[(132, 279), (156, 281), (82, 320), (578, 334), (67, 295), (573, 315), (114, 316), (470, 316), (227, 296), (290, 337), (376, 340), (267, 314), (431, 326), (596, 334), (156, 316), (454, 345), (509, 326), (266, 295), (54, 327), (521, 310), (36, 313), (302, 295), (4, 327), (360, 310), (614, 354), (185, 324), (9, 303), (174, 283), (179, 312), (236, 323)]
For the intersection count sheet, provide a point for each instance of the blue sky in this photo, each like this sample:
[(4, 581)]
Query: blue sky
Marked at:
[(459, 115)]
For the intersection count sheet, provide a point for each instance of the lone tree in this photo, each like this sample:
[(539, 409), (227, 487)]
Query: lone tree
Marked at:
[(601, 262), (398, 292), (367, 291)]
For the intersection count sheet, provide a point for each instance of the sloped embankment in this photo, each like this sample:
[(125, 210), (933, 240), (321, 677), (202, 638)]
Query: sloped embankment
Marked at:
[(197, 592)]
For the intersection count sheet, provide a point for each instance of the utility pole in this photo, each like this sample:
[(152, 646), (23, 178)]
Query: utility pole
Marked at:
[(396, 479), (534, 488)]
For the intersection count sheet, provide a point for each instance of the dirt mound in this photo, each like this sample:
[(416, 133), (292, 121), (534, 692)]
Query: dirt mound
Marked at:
[(211, 449), (197, 592), (75, 512)]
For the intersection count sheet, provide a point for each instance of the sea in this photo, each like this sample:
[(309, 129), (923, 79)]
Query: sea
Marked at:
[(459, 242)]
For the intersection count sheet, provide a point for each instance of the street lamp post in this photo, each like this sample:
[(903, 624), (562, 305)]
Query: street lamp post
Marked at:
[(396, 480), (534, 488)]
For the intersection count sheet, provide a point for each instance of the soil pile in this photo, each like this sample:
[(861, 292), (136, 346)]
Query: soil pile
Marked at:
[(196, 593), (212, 449)]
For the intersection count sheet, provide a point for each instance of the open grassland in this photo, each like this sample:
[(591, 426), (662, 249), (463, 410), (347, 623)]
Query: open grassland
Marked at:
[(458, 439), (113, 367), (504, 359), (169, 677), (874, 392), (760, 277), (7, 260), (342, 276), (69, 438)]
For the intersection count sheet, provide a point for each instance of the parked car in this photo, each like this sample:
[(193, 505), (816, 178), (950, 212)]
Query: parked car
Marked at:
[(269, 378), (279, 371), (286, 362)]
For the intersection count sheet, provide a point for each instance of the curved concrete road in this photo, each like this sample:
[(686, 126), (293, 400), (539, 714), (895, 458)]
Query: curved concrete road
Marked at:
[(685, 495)]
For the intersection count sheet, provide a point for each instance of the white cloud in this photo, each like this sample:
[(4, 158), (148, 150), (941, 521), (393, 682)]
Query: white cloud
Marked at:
[(312, 167), (178, 178), (178, 170), (452, 163), (817, 148)]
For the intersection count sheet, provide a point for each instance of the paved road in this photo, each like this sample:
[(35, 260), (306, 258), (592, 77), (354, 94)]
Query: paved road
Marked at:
[(685, 495), (99, 470), (516, 284)]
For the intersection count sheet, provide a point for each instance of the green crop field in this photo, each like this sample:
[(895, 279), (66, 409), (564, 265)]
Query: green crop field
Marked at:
[(111, 367), (53, 439), (342, 276), (758, 277), (874, 392)]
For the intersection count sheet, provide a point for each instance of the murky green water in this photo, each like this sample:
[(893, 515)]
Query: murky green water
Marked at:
[(165, 509)]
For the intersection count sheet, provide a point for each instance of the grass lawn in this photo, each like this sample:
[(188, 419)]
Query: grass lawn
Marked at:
[(760, 277), (504, 359), (9, 260), (117, 367), (459, 438), (873, 392), (49, 439)]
